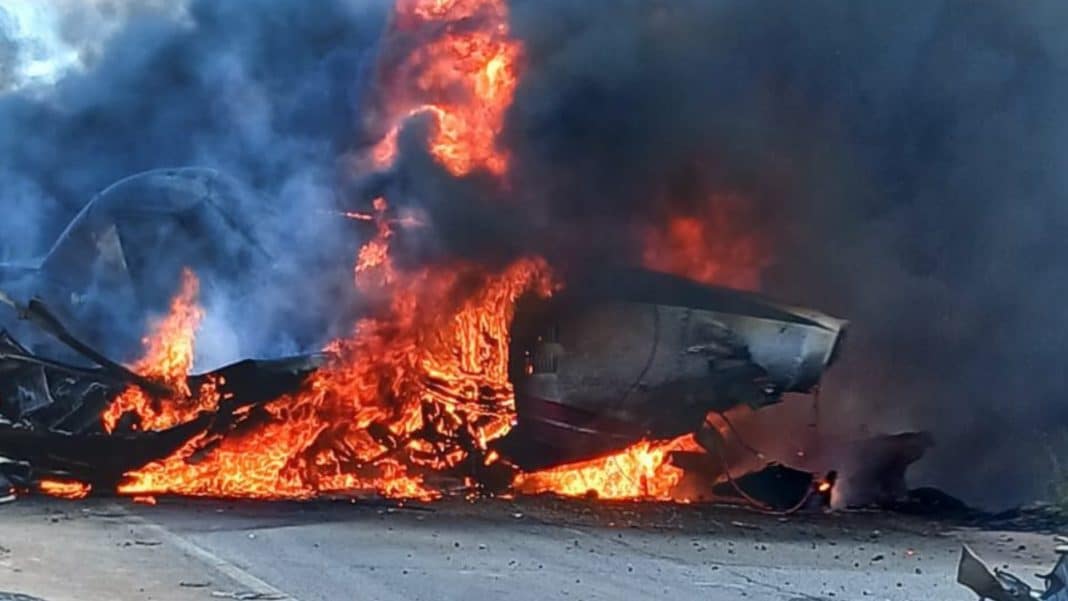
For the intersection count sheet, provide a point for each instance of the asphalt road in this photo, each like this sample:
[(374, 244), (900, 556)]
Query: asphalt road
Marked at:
[(533, 549)]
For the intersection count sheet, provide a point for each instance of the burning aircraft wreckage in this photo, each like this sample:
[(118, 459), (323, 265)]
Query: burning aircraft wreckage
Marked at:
[(528, 384), (457, 378)]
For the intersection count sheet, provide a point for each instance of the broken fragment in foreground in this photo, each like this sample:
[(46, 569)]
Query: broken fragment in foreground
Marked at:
[(999, 585)]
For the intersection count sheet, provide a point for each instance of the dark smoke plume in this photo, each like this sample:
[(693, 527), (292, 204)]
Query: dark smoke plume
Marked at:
[(903, 160)]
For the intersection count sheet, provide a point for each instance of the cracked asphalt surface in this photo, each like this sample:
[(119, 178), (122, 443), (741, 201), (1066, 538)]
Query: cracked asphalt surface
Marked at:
[(526, 549)]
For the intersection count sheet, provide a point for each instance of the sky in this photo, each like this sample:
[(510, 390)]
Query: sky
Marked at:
[(54, 37)]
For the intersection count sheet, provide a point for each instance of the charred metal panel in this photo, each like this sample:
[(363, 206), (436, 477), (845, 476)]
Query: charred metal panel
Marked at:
[(596, 369)]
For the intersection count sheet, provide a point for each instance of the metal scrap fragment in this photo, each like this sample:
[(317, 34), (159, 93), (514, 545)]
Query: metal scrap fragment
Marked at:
[(999, 585)]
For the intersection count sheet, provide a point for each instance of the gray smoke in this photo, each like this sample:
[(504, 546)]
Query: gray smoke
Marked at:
[(267, 92), (9, 52)]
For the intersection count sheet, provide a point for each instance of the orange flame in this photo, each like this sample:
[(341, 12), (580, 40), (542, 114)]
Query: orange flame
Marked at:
[(641, 471), (464, 78), (709, 246), (373, 257), (417, 389), (168, 358), (64, 489)]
